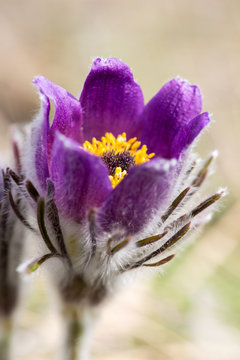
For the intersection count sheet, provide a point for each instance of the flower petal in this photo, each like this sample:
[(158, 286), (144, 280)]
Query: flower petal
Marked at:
[(169, 111), (143, 192), (111, 100), (68, 114), (81, 179), (188, 133), (37, 164)]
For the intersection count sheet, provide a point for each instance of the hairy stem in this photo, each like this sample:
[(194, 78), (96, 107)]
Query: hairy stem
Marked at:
[(5, 337), (78, 324)]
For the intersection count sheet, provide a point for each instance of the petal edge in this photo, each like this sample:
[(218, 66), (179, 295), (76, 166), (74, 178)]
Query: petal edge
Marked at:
[(172, 108)]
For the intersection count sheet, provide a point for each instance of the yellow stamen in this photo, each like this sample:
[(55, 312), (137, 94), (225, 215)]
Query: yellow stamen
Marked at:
[(109, 143), (118, 176)]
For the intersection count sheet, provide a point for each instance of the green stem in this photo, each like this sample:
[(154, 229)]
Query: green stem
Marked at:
[(5, 338), (77, 322)]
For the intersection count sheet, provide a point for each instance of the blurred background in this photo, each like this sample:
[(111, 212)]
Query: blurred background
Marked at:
[(193, 311)]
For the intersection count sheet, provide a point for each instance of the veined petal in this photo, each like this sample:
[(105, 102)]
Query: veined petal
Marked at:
[(143, 192), (68, 112), (81, 179), (169, 111), (111, 100)]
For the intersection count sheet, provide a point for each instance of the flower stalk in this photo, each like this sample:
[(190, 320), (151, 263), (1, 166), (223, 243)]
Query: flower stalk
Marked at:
[(77, 321), (5, 337)]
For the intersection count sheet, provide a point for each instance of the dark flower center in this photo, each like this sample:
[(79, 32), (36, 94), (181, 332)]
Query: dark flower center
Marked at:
[(124, 160)]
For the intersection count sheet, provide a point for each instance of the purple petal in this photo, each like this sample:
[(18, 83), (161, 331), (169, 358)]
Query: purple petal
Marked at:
[(134, 202), (39, 135), (111, 100), (188, 133), (68, 112), (169, 111), (81, 179)]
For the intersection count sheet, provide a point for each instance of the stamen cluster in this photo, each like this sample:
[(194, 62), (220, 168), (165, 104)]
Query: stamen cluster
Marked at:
[(119, 154)]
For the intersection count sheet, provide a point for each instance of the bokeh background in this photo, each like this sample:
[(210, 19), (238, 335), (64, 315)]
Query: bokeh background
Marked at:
[(193, 311)]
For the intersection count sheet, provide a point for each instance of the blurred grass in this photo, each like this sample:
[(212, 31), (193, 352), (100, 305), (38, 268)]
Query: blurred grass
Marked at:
[(192, 311), (226, 284)]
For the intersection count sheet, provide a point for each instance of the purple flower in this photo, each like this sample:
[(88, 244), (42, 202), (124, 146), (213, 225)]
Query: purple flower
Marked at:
[(111, 174), (112, 102)]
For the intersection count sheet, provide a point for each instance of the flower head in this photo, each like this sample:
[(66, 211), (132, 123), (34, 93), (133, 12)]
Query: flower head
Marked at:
[(111, 173), (110, 109)]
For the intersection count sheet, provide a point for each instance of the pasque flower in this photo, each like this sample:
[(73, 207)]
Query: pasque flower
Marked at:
[(113, 181), (113, 184)]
